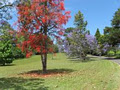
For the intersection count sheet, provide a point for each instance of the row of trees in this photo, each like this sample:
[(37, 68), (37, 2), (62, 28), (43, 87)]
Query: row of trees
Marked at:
[(41, 20), (110, 40), (78, 41)]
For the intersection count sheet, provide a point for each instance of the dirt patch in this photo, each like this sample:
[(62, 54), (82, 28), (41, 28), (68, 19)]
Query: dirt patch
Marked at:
[(50, 73), (41, 75)]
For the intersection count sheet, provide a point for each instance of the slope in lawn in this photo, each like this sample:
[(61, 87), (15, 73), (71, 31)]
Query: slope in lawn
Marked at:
[(94, 74)]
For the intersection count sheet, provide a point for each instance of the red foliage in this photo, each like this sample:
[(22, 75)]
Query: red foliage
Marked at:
[(60, 33), (37, 21), (28, 54), (62, 6)]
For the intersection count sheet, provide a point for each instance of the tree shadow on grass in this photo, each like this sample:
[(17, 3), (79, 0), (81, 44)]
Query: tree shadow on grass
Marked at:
[(22, 84), (7, 65), (111, 58), (93, 56), (49, 72), (77, 60)]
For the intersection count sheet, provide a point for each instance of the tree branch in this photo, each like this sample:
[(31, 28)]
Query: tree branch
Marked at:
[(9, 5)]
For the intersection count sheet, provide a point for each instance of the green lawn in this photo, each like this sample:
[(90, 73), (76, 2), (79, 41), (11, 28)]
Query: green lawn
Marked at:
[(94, 74)]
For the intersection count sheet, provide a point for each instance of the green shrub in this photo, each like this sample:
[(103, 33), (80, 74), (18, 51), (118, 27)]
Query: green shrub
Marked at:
[(55, 48), (6, 56), (118, 54), (110, 53), (17, 53)]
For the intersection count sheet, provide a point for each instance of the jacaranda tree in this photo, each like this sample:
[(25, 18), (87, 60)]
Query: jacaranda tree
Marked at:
[(38, 21), (75, 42), (92, 44), (75, 45)]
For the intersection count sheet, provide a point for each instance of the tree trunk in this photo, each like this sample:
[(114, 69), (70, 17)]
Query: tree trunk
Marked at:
[(44, 63), (44, 56)]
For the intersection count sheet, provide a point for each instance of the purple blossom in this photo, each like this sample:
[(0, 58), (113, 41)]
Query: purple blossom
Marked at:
[(69, 35), (75, 44), (106, 47), (92, 42), (2, 22)]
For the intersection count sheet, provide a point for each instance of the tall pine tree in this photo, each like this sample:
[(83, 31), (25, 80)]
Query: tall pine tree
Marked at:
[(97, 35), (79, 22)]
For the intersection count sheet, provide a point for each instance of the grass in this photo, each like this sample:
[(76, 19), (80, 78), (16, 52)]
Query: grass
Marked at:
[(94, 74)]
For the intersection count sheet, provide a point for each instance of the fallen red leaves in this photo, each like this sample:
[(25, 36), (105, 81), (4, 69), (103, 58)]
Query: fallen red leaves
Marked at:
[(36, 75)]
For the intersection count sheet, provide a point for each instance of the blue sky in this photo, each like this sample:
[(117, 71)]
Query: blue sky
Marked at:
[(98, 13)]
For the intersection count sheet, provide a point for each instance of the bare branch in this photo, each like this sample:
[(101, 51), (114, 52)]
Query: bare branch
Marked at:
[(9, 5)]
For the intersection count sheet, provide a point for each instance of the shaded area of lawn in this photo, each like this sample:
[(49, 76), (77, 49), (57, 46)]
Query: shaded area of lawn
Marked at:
[(81, 61), (50, 71), (22, 84), (7, 65)]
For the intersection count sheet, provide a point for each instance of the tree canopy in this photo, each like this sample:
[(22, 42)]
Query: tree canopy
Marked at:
[(38, 20)]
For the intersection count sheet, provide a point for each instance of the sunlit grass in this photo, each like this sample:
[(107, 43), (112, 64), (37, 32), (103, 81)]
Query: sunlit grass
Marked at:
[(94, 74)]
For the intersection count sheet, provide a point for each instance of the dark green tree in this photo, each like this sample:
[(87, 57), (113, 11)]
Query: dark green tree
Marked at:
[(112, 34), (97, 35), (79, 22), (116, 19)]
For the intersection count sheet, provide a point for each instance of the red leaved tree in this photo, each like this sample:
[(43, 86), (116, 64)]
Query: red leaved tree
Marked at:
[(38, 21)]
